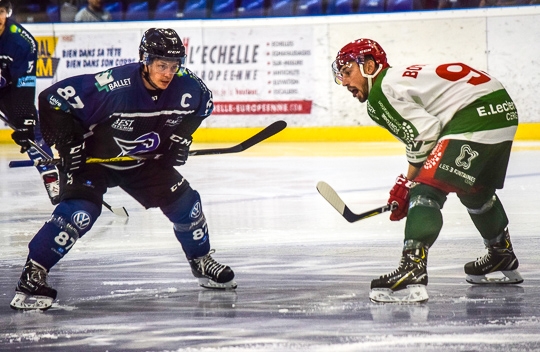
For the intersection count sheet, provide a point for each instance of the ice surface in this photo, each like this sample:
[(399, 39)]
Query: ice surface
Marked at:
[(303, 272)]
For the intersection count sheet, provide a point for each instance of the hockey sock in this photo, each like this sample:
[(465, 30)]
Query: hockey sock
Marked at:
[(70, 221), (190, 225), (488, 216), (424, 219)]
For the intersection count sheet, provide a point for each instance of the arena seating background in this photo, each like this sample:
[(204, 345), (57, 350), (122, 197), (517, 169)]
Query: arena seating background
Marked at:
[(133, 10)]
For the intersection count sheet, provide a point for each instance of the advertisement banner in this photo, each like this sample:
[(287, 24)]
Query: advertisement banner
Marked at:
[(67, 55), (249, 72), (252, 73)]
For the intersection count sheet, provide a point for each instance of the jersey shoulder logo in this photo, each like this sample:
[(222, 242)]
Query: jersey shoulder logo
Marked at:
[(105, 81)]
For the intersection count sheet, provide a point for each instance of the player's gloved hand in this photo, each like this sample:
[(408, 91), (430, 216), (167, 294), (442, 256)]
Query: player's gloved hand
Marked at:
[(72, 156), (178, 151), (400, 194), (23, 135)]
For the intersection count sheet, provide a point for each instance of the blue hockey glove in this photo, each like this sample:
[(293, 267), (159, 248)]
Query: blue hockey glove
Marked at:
[(72, 156), (178, 151)]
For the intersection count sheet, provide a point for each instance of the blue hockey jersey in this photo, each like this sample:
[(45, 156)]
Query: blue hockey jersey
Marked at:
[(18, 56), (118, 114)]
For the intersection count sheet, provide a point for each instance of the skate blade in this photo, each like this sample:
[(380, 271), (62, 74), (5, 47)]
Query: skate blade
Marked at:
[(210, 284), (511, 277), (22, 301), (412, 294)]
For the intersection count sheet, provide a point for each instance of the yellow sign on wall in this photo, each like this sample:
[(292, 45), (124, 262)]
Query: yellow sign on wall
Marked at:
[(46, 64)]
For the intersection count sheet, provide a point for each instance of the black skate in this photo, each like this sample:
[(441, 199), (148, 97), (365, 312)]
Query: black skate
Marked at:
[(500, 259), (211, 274), (32, 291), (406, 284), (52, 185)]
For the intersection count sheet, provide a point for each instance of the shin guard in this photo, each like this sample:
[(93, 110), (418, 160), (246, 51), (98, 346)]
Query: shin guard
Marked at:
[(190, 225), (488, 216), (424, 219), (70, 221)]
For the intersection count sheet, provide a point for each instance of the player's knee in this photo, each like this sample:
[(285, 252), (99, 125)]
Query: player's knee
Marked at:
[(77, 213), (426, 196), (478, 203), (186, 209), (70, 221)]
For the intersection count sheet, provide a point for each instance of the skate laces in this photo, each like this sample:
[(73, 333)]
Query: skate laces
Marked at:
[(208, 266), (402, 264), (483, 260), (492, 250), (36, 274)]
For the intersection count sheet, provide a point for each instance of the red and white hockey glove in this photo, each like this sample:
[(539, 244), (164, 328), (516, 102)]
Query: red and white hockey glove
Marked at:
[(400, 194)]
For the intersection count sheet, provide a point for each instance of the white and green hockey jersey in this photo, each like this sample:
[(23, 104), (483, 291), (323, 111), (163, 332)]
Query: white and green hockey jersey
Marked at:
[(423, 104)]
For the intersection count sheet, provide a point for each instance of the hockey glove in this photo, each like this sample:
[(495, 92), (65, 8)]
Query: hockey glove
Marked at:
[(178, 151), (72, 156), (23, 135), (400, 194)]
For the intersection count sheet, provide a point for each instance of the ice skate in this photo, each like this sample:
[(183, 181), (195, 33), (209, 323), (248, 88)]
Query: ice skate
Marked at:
[(406, 284), (498, 266), (52, 185), (212, 274), (32, 291)]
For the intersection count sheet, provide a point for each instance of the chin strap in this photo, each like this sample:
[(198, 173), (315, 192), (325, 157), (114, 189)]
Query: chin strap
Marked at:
[(146, 77), (370, 77)]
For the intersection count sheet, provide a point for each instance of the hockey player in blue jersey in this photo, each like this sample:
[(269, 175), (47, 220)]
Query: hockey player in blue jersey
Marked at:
[(151, 107), (18, 57)]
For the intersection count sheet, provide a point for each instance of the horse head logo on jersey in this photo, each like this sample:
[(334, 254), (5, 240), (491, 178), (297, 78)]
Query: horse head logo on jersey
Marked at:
[(146, 143)]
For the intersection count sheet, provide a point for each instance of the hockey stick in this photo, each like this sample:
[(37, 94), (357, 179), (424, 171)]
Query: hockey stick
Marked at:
[(117, 211), (333, 198), (262, 135)]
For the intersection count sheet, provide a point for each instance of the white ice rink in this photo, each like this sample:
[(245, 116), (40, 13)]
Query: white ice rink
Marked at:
[(303, 272)]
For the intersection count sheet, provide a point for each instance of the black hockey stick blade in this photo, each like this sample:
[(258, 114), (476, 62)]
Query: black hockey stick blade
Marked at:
[(266, 133), (333, 198)]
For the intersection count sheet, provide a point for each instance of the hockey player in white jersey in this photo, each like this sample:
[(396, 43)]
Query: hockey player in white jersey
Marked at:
[(458, 124)]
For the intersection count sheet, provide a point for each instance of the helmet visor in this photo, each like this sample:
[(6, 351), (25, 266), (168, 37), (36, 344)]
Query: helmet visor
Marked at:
[(344, 60), (338, 77), (166, 63)]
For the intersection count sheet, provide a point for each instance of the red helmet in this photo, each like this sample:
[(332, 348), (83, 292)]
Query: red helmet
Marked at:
[(356, 51)]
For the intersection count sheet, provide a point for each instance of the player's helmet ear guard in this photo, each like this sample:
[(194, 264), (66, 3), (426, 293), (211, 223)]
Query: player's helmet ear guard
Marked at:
[(356, 51), (162, 43), (7, 5)]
